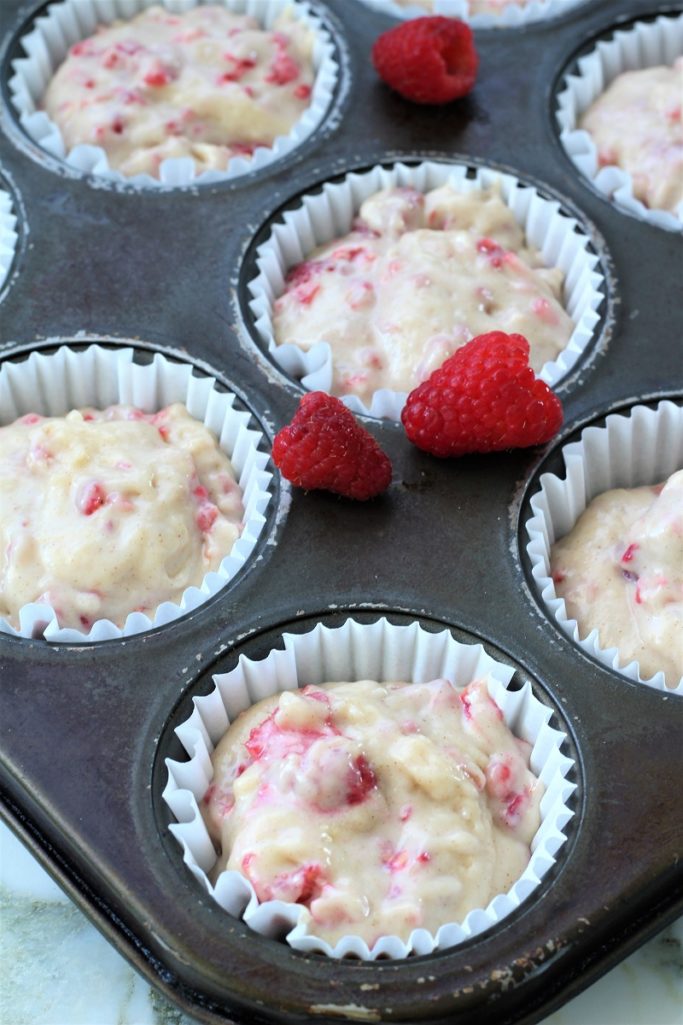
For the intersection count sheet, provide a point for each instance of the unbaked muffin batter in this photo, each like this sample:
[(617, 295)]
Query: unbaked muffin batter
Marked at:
[(103, 513), (420, 275), (620, 571), (636, 124), (494, 7), (206, 84), (379, 807)]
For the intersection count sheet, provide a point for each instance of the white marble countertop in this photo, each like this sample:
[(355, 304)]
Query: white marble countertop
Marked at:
[(56, 969)]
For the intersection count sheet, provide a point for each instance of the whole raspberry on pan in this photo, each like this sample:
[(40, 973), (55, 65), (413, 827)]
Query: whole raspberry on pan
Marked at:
[(484, 398), (427, 60), (325, 448)]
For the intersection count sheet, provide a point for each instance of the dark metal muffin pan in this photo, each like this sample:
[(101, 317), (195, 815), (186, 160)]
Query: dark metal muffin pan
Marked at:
[(85, 729)]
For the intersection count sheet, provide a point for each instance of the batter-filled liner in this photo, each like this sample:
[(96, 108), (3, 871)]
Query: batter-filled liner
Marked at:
[(355, 651), (52, 385), (329, 213), (511, 16), (70, 21), (643, 447), (644, 45)]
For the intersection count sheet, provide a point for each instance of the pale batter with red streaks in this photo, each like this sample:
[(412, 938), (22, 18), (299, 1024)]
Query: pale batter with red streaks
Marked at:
[(207, 84), (492, 7), (620, 572), (636, 125), (418, 276), (103, 513), (381, 808)]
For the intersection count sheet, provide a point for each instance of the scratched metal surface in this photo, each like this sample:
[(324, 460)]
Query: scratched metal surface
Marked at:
[(84, 731)]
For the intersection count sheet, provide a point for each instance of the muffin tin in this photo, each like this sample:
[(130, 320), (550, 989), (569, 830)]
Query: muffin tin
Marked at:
[(86, 730)]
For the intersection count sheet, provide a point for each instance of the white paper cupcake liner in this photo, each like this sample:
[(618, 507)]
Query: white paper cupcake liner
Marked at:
[(356, 651), (52, 385), (8, 235), (645, 45), (643, 447), (328, 214), (513, 16), (69, 21)]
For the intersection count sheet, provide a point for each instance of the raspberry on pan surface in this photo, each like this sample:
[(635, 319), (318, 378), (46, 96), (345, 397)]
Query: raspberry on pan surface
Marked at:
[(484, 398), (325, 448), (427, 60)]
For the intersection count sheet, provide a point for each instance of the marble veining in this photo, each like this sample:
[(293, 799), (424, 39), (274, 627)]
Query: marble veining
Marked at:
[(56, 969)]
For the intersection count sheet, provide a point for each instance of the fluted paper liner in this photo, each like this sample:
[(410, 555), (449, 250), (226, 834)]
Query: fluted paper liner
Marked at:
[(512, 16), (69, 21), (8, 235), (383, 652), (644, 45), (52, 385), (328, 214), (643, 447)]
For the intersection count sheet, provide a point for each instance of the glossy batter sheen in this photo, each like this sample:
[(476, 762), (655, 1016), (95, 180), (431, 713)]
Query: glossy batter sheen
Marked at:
[(494, 7), (379, 807), (636, 124), (620, 571), (206, 84), (103, 513), (418, 277)]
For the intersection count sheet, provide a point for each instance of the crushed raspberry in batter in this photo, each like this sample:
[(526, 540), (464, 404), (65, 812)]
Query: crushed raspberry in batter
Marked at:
[(378, 807)]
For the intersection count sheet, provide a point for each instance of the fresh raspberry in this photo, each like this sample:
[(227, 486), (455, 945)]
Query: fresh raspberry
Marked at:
[(484, 398), (324, 447), (427, 60)]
